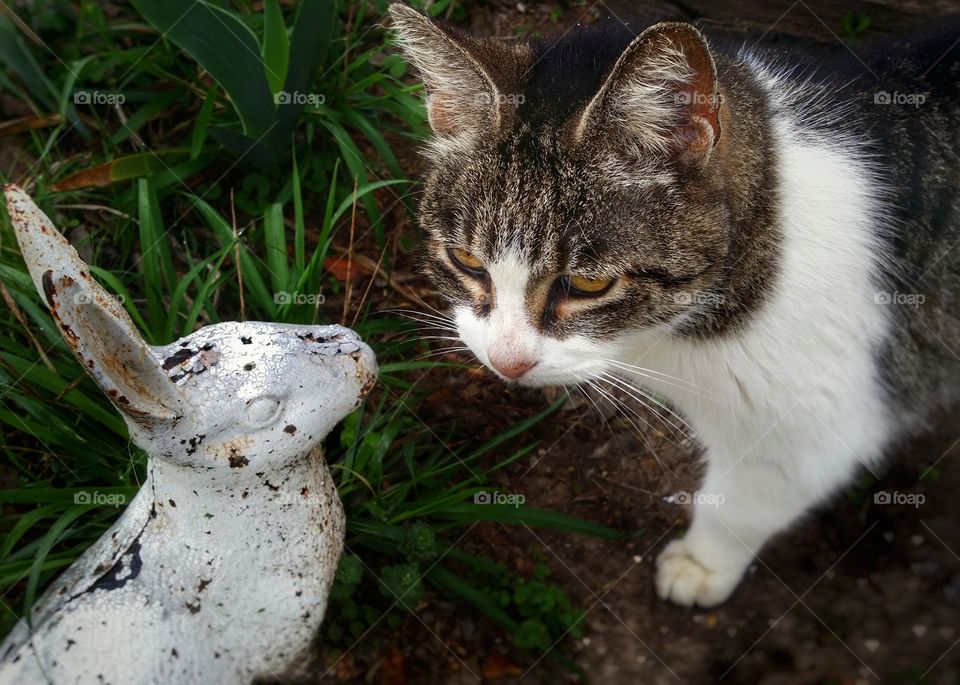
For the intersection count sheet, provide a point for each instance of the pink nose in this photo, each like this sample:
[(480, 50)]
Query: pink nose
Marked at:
[(513, 368)]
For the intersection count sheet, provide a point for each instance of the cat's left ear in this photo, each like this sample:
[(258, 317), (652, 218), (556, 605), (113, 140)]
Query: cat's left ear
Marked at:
[(660, 97), (464, 77)]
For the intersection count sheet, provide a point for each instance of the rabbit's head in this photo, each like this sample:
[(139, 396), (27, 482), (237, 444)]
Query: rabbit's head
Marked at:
[(229, 396), (258, 393)]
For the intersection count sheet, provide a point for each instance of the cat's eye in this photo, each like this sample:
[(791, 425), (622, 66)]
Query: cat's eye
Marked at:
[(466, 261), (580, 285)]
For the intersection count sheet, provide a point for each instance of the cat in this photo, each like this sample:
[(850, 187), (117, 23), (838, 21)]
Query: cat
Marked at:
[(766, 241)]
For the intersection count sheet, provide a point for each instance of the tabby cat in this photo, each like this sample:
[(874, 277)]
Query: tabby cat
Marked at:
[(767, 241)]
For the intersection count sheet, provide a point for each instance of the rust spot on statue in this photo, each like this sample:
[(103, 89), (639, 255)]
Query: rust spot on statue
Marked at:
[(177, 358)]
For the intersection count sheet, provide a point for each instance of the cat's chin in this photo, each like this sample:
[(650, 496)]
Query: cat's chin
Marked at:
[(526, 382)]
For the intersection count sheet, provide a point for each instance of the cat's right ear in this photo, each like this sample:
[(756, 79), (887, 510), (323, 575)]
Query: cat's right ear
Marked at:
[(464, 77), (660, 98)]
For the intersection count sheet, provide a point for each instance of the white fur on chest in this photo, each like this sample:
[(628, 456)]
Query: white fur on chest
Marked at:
[(801, 376)]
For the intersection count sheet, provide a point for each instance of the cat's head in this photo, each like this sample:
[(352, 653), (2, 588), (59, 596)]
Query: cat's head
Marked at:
[(577, 193)]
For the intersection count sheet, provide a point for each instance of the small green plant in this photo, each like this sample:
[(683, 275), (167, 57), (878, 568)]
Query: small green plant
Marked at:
[(268, 77), (855, 25)]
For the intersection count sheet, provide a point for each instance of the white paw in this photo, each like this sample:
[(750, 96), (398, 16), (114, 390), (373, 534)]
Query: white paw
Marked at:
[(684, 579)]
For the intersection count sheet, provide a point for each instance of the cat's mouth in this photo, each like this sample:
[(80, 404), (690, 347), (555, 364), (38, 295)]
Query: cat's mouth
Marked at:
[(538, 375)]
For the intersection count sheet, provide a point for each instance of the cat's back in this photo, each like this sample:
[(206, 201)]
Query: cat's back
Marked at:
[(888, 114), (912, 112), (893, 107)]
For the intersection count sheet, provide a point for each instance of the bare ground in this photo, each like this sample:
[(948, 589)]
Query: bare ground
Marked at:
[(859, 592)]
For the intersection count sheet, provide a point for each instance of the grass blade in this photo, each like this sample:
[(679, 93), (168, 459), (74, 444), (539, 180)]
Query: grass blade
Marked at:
[(224, 46), (275, 242), (276, 46)]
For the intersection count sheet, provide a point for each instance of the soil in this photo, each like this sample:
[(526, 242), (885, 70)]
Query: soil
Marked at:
[(861, 591)]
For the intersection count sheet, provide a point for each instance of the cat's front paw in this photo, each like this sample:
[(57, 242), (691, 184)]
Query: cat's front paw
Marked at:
[(686, 579)]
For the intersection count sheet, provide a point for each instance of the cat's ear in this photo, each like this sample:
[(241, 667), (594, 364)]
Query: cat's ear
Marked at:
[(463, 75), (660, 97)]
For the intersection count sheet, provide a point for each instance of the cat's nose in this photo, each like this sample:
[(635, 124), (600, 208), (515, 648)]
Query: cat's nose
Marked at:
[(512, 368)]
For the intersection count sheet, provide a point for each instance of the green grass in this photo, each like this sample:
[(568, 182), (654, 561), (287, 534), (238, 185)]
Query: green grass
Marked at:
[(198, 198)]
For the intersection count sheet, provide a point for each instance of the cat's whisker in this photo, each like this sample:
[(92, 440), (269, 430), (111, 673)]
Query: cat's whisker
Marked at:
[(664, 378), (633, 391), (644, 393), (422, 324), (426, 316), (442, 352), (434, 334), (592, 401), (406, 313), (424, 333), (419, 300), (418, 315), (439, 323), (626, 412), (595, 406), (433, 326), (618, 404), (653, 374)]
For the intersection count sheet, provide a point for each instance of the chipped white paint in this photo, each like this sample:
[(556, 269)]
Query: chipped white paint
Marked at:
[(219, 569)]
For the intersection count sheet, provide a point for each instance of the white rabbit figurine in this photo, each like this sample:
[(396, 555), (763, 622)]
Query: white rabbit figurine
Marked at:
[(219, 569)]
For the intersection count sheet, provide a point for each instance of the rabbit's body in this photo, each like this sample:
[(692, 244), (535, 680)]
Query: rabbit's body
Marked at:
[(159, 596), (218, 570)]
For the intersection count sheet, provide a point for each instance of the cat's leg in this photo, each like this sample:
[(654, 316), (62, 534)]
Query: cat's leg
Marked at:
[(740, 506)]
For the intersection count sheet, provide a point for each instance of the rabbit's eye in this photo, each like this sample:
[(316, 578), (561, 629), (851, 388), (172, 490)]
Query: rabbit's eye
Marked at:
[(263, 410)]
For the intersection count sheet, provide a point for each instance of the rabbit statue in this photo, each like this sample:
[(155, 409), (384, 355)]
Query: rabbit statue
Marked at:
[(218, 570)]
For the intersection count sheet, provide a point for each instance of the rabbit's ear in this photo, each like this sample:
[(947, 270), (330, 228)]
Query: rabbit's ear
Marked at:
[(45, 249), (93, 323), (119, 360)]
